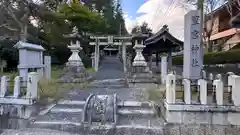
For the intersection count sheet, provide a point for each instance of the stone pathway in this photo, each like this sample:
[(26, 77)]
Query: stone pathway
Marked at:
[(133, 109)]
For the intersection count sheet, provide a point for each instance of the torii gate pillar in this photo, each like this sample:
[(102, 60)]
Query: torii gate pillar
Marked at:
[(96, 55)]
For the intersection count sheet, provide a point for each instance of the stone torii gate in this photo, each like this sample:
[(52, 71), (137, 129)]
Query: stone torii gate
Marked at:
[(111, 40)]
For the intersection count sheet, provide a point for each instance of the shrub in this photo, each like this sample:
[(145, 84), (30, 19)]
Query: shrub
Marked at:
[(228, 57)]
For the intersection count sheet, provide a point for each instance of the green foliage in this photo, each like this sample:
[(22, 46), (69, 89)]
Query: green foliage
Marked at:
[(55, 19), (143, 29), (228, 57)]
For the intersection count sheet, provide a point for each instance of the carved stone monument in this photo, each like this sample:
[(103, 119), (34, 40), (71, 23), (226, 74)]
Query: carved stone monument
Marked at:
[(74, 71), (100, 109), (192, 49)]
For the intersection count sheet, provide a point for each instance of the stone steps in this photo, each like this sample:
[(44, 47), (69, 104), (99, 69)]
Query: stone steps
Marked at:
[(135, 111), (67, 108), (137, 114), (109, 83), (60, 116), (66, 115), (140, 121)]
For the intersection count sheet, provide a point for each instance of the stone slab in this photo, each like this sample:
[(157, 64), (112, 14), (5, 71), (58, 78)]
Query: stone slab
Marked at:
[(59, 116)]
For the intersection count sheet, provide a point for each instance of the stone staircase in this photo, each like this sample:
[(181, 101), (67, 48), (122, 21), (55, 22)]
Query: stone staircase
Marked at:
[(137, 115), (64, 116), (67, 116)]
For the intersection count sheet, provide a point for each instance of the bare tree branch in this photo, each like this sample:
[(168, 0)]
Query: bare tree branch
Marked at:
[(11, 13), (8, 27)]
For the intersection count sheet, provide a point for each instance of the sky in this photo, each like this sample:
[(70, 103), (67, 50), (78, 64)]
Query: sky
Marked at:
[(156, 13)]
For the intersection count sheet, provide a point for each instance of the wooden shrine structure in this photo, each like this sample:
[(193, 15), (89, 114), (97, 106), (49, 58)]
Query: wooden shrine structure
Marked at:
[(162, 42)]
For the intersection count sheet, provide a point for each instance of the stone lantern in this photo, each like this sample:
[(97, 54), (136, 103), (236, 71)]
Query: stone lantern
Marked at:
[(140, 70), (74, 59), (74, 71), (139, 60)]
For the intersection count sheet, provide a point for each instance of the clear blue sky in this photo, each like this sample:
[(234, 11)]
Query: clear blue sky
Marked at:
[(131, 6)]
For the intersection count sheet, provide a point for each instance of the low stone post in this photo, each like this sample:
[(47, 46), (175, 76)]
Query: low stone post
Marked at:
[(163, 69), (219, 76), (230, 82), (4, 85), (40, 73), (230, 73), (32, 85), (204, 75), (170, 88), (219, 91), (47, 67), (235, 90), (210, 77), (187, 91), (203, 91), (17, 86), (23, 73)]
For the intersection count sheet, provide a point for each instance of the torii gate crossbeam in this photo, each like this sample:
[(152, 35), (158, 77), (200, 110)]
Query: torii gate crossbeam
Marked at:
[(123, 41)]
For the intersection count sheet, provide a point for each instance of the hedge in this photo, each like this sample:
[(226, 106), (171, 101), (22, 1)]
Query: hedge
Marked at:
[(227, 57)]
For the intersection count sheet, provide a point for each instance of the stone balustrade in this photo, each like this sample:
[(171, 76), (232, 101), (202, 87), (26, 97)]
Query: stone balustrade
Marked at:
[(207, 100), (208, 91), (21, 94)]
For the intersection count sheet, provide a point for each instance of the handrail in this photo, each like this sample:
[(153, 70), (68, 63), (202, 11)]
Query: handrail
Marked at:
[(85, 106), (115, 108)]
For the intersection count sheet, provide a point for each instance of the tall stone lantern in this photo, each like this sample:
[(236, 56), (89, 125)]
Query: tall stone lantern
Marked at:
[(74, 71), (139, 60), (140, 70), (74, 59)]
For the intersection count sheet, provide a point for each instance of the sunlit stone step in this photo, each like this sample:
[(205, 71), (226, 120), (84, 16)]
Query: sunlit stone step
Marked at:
[(58, 122), (140, 121), (59, 116), (134, 104), (70, 108), (134, 111), (71, 102)]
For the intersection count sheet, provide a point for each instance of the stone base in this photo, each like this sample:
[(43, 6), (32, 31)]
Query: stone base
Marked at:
[(74, 74), (141, 74), (200, 114)]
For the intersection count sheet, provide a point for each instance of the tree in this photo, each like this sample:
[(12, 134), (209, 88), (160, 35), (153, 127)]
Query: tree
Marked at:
[(46, 21), (208, 6), (119, 20), (230, 4), (235, 21), (143, 29), (112, 14), (21, 20)]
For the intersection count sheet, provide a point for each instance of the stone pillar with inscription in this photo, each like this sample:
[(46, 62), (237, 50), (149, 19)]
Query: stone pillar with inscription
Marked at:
[(193, 60)]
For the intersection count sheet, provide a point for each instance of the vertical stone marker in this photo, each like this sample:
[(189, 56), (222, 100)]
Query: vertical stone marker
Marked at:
[(163, 69), (47, 68), (192, 53)]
